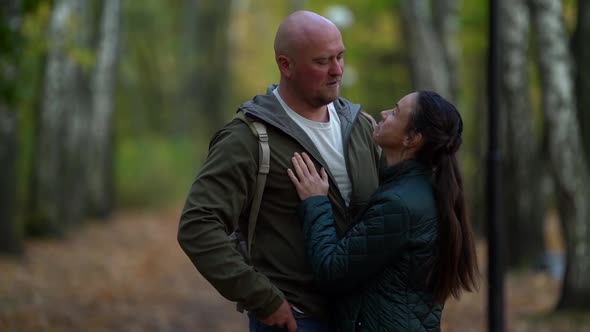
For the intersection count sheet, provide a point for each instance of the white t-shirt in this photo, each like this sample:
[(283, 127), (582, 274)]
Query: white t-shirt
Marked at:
[(327, 137)]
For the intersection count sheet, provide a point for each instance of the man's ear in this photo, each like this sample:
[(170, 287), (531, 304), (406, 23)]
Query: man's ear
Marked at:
[(413, 140), (285, 65)]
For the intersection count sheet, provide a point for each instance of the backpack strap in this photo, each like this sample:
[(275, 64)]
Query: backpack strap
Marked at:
[(263, 169), (259, 130)]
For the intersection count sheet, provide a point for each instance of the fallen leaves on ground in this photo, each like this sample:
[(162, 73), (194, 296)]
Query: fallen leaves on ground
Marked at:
[(129, 274)]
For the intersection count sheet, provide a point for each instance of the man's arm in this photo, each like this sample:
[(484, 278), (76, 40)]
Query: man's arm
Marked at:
[(220, 193)]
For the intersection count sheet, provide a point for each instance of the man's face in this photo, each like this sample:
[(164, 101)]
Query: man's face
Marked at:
[(318, 69)]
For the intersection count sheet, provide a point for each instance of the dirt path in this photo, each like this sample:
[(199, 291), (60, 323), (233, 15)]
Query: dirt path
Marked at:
[(131, 275)]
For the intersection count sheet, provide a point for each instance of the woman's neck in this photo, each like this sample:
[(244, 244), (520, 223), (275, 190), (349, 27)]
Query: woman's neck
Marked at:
[(393, 157)]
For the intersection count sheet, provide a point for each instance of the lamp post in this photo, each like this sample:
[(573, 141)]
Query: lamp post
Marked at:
[(494, 224)]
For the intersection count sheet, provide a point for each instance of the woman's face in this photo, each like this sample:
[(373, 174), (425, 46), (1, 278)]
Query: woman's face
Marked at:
[(392, 130)]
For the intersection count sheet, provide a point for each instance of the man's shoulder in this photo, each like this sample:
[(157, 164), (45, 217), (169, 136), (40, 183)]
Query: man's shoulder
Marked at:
[(235, 132), (354, 112), (342, 104)]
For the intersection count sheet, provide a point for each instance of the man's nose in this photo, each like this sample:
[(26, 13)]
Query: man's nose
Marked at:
[(336, 67)]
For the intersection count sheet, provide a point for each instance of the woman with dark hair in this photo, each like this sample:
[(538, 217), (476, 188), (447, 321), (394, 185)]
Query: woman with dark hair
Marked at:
[(412, 247)]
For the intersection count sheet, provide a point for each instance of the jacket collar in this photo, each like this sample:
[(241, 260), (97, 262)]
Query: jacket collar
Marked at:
[(405, 169), (267, 108)]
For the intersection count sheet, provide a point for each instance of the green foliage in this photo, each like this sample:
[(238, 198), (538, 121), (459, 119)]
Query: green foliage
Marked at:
[(155, 115), (10, 50), (31, 70), (35, 47), (376, 69), (156, 170), (149, 69), (150, 98), (252, 60)]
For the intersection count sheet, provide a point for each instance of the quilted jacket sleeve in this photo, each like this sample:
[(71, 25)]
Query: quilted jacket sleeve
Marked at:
[(373, 242)]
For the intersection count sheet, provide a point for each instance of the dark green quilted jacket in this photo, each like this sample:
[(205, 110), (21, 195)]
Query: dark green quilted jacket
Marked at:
[(376, 272)]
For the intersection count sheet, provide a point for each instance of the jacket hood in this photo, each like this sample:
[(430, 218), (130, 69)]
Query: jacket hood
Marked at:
[(268, 109)]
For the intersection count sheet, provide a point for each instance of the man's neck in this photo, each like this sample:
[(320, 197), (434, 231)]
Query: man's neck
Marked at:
[(318, 114)]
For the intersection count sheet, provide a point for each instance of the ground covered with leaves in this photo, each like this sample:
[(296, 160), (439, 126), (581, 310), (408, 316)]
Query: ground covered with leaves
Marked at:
[(129, 274)]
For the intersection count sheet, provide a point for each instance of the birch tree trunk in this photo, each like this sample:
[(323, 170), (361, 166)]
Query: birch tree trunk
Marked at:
[(428, 65), (522, 169), (581, 52), (59, 197), (10, 23), (566, 153), (100, 150)]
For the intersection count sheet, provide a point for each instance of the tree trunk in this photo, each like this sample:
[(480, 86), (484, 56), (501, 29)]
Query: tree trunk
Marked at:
[(10, 23), (581, 52), (427, 63), (60, 182), (446, 18), (523, 198), (566, 152), (10, 233), (100, 150)]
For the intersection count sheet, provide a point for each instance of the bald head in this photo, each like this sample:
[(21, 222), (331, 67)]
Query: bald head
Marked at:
[(299, 29)]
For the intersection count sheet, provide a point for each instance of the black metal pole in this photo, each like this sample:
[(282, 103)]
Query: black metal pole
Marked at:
[(494, 229)]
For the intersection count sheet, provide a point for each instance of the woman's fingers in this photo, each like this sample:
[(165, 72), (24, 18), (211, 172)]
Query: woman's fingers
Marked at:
[(306, 170), (307, 180), (293, 178), (309, 163), (304, 167), (298, 169)]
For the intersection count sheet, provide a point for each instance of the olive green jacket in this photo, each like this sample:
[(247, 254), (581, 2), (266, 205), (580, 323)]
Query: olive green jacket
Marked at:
[(221, 195)]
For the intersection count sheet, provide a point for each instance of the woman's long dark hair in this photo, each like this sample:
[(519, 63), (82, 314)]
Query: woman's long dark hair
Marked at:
[(441, 126)]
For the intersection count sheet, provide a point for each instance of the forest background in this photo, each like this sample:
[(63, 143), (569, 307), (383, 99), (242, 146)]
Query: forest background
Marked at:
[(108, 106)]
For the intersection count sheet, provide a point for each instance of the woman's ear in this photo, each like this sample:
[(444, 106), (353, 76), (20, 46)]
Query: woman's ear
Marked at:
[(413, 140)]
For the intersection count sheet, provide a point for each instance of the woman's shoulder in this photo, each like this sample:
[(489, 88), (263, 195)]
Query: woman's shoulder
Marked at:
[(406, 185), (409, 194)]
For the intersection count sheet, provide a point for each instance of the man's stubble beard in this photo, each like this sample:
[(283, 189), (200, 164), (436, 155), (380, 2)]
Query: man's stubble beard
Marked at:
[(324, 100)]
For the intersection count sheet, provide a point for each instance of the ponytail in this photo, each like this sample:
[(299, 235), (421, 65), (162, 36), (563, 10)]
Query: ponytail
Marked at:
[(455, 265)]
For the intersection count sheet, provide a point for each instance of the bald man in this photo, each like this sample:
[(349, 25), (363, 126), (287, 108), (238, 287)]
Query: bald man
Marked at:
[(303, 113)]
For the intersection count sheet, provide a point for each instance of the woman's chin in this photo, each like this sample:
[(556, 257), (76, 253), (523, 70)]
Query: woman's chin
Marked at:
[(376, 136)]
